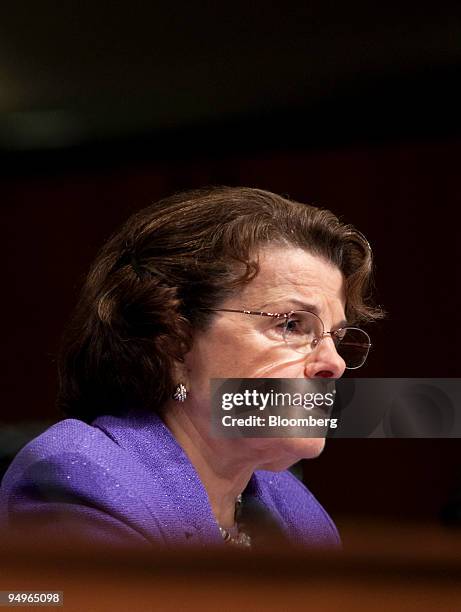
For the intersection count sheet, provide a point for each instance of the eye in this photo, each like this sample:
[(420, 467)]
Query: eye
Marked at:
[(303, 326), (293, 326)]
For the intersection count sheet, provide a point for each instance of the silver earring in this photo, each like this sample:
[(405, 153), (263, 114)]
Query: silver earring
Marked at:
[(180, 393)]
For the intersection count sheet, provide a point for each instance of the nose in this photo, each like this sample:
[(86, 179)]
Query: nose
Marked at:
[(324, 361)]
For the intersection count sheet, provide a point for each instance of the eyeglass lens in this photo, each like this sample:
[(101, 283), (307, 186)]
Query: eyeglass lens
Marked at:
[(303, 330)]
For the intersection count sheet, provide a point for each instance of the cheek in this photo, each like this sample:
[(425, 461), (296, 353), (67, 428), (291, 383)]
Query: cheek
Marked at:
[(242, 355), (284, 366), (247, 364)]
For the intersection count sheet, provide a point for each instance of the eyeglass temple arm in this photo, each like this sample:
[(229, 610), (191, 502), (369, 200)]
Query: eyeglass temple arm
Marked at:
[(250, 312)]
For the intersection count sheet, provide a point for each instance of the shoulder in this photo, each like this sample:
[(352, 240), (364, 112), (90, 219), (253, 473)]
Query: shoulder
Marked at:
[(75, 471), (66, 444), (305, 518), (62, 436)]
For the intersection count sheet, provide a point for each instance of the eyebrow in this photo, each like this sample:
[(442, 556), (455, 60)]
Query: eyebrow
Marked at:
[(300, 305)]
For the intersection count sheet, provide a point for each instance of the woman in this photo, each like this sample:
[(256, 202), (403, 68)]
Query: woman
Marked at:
[(171, 302)]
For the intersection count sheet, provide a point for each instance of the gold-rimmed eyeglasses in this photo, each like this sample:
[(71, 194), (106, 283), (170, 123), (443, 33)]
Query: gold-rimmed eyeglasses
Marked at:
[(303, 330)]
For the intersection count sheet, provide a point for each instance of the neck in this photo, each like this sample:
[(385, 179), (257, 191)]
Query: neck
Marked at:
[(223, 473)]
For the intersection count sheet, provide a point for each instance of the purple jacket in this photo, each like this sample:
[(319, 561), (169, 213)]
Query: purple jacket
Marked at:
[(127, 480)]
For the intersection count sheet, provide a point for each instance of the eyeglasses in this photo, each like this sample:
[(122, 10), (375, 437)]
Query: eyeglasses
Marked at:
[(303, 331)]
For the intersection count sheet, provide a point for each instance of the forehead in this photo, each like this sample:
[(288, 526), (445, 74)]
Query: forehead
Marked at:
[(290, 273)]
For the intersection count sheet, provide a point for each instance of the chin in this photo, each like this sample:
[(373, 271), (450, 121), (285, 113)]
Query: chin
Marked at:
[(292, 450)]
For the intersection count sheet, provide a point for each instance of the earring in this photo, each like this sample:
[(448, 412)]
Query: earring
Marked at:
[(180, 393)]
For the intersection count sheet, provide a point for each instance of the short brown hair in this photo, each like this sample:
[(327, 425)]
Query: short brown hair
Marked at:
[(143, 296)]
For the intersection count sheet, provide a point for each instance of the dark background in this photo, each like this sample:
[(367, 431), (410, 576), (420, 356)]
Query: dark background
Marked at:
[(106, 108)]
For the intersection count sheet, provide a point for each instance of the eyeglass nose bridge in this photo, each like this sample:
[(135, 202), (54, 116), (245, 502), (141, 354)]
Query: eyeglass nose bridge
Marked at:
[(318, 339)]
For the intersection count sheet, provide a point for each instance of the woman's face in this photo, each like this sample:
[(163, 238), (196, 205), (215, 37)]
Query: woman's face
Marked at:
[(243, 346)]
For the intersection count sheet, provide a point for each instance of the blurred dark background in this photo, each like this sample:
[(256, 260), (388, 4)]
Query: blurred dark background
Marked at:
[(105, 108)]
